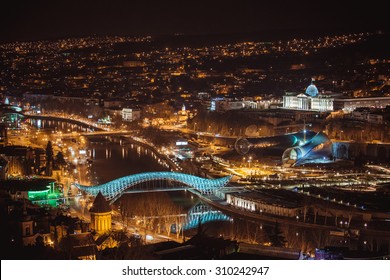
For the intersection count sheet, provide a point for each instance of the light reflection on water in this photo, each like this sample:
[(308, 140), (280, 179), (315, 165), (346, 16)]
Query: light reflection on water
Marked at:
[(111, 160), (56, 125)]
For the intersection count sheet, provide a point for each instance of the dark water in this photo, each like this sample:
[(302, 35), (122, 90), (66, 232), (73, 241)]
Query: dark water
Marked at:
[(112, 161)]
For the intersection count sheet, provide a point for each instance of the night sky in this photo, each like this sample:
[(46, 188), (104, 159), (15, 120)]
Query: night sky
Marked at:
[(32, 20)]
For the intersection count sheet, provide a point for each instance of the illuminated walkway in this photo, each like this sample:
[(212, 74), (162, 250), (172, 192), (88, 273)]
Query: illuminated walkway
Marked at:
[(113, 190)]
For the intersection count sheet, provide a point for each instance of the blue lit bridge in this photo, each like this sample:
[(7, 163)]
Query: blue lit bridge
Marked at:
[(136, 183), (202, 213)]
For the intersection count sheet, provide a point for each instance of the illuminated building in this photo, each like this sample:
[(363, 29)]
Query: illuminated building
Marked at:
[(310, 100), (280, 142), (296, 148), (228, 104), (317, 149), (3, 135), (367, 115), (83, 246), (38, 190), (10, 114), (17, 156), (130, 115), (28, 234), (110, 240), (350, 104), (261, 203), (100, 215), (312, 90), (182, 115), (27, 228), (183, 149)]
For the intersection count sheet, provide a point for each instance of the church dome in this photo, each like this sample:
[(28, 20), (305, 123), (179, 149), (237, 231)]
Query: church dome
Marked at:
[(100, 205), (312, 90)]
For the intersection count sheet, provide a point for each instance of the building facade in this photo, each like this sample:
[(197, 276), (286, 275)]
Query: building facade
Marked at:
[(129, 115), (350, 104), (310, 100), (228, 104), (368, 115), (250, 202), (100, 215)]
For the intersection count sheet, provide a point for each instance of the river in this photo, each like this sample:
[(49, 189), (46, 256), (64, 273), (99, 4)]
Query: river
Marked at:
[(111, 160)]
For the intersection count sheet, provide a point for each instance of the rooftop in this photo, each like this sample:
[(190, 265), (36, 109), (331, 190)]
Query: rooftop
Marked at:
[(281, 199), (100, 205), (34, 184)]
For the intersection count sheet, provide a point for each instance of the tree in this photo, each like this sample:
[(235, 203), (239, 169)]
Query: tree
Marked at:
[(125, 211), (49, 159), (60, 160), (276, 236), (154, 212)]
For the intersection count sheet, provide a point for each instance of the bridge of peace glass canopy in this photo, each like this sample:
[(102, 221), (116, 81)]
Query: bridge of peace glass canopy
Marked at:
[(113, 190)]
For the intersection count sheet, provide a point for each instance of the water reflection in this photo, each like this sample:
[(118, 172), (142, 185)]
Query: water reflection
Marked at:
[(202, 214), (112, 161), (56, 125)]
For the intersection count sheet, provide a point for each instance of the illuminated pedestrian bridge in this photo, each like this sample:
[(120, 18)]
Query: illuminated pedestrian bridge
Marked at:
[(113, 190)]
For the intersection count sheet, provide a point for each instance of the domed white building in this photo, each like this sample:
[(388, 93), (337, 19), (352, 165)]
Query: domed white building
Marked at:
[(311, 90), (310, 100)]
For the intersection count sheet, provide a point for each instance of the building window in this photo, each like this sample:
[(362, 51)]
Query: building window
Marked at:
[(27, 231)]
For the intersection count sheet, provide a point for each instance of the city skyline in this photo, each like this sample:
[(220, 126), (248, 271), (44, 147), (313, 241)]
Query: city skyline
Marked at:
[(43, 20)]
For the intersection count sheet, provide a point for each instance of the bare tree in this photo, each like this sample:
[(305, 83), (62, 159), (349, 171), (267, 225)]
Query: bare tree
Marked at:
[(155, 212)]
